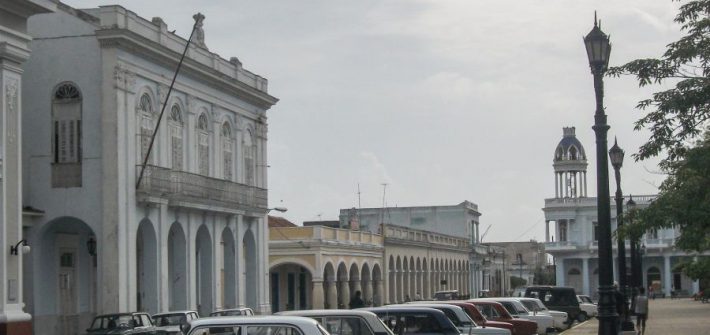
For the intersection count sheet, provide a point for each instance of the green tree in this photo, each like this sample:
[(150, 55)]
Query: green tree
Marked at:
[(678, 121), (517, 281)]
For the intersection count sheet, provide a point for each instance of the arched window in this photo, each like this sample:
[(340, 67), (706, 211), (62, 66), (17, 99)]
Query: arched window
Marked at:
[(249, 163), (145, 117), (176, 129), (203, 145), (66, 136), (573, 153), (227, 150), (559, 155)]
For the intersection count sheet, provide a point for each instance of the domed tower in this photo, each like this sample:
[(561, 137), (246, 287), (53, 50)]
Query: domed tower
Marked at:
[(570, 165)]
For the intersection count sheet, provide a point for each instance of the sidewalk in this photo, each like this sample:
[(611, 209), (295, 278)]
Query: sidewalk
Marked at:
[(666, 316)]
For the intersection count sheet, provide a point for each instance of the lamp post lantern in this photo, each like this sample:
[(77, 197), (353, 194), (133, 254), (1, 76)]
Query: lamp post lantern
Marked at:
[(598, 50), (616, 156)]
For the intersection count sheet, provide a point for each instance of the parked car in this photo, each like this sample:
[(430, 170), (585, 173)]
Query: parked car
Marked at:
[(409, 320), (446, 295), (463, 322), (345, 321), (495, 311), (260, 325), (169, 323), (121, 323), (557, 298), (588, 307), (545, 324), (242, 311), (476, 315), (559, 318)]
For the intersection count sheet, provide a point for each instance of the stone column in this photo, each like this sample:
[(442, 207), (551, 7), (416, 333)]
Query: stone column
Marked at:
[(317, 296), (367, 293), (560, 272), (344, 292), (547, 231), (378, 301), (332, 294), (357, 286), (240, 278), (585, 276), (398, 287), (696, 284), (163, 273), (668, 275)]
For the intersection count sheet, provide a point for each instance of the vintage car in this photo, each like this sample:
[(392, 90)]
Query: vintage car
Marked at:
[(495, 311), (169, 323), (121, 324), (254, 325), (557, 298), (242, 311), (588, 307), (559, 319), (476, 315), (411, 320), (463, 322), (345, 321), (545, 323)]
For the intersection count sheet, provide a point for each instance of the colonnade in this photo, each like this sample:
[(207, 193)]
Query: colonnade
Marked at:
[(411, 278)]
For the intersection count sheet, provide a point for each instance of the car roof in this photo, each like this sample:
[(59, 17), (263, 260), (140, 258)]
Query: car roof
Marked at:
[(173, 312), (326, 312), (401, 308), (266, 319), (119, 314)]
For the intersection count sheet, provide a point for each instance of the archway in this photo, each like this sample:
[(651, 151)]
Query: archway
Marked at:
[(64, 276), (204, 284), (250, 266), (228, 271), (653, 279), (177, 268), (367, 285), (146, 268), (291, 287), (405, 280), (398, 284)]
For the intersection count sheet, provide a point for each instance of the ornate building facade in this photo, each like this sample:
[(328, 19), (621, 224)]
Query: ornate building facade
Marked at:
[(573, 238), (191, 234), (14, 52)]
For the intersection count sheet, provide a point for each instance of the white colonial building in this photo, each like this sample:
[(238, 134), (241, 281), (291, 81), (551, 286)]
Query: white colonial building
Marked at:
[(456, 226), (14, 52), (191, 234), (573, 239)]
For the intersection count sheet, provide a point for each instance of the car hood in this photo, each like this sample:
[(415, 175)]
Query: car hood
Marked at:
[(118, 331), (169, 328), (499, 324)]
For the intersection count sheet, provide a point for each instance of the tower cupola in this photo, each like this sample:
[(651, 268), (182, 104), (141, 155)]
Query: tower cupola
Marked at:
[(570, 164)]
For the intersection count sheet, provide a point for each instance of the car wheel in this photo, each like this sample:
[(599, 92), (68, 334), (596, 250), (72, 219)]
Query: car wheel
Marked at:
[(581, 317)]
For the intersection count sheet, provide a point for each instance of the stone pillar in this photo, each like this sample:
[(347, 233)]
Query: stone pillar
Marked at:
[(560, 272), (398, 287), (585, 276), (380, 292), (344, 293), (367, 293), (163, 273), (317, 296), (331, 293), (217, 263), (240, 268), (668, 275), (696, 284), (547, 231), (357, 286)]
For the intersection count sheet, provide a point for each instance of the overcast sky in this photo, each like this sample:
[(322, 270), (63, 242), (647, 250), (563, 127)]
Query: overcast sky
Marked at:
[(444, 101)]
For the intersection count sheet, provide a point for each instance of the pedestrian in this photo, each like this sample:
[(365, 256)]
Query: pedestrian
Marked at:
[(356, 301), (417, 296), (641, 311), (407, 299), (651, 292), (620, 303)]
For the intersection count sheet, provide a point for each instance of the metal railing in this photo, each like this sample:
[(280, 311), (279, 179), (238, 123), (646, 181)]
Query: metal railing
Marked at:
[(194, 188)]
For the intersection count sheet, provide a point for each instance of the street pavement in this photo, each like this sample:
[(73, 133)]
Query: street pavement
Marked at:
[(666, 316)]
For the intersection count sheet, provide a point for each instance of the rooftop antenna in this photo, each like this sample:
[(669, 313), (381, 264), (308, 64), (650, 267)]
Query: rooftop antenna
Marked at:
[(358, 196)]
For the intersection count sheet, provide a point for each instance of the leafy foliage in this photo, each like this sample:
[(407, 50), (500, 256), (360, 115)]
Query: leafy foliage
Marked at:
[(517, 281), (676, 116)]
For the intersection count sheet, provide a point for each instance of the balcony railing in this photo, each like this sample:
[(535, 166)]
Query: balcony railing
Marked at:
[(189, 187), (325, 235), (560, 245)]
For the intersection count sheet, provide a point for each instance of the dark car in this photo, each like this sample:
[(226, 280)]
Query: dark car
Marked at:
[(122, 323), (415, 320), (557, 298)]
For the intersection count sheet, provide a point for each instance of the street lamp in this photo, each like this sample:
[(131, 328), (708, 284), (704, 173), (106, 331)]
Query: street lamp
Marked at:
[(631, 207), (598, 50), (616, 155)]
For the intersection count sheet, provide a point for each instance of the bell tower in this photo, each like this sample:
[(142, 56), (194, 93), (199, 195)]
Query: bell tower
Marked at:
[(570, 164)]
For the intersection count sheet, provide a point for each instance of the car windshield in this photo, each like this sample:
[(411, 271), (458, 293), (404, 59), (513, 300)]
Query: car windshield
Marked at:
[(112, 322), (169, 319), (227, 313)]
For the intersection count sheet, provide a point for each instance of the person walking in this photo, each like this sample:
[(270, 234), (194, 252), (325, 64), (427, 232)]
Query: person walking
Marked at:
[(356, 301), (641, 311)]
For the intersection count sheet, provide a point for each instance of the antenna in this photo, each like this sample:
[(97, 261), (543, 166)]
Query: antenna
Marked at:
[(384, 193), (358, 196)]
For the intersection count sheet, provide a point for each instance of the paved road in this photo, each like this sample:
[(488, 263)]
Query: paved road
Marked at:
[(666, 317)]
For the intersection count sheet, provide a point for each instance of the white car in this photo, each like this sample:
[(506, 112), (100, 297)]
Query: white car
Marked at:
[(271, 325), (589, 308), (169, 322), (559, 319), (242, 311), (345, 321), (463, 322), (545, 323)]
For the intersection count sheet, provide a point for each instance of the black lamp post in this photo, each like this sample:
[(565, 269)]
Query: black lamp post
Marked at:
[(616, 155), (635, 279), (598, 50)]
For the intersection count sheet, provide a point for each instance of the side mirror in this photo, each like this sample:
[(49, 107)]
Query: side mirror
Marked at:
[(184, 326)]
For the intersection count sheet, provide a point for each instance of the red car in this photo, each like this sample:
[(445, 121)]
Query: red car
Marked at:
[(495, 311), (478, 318)]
